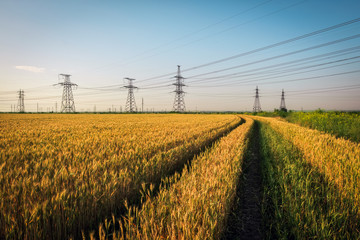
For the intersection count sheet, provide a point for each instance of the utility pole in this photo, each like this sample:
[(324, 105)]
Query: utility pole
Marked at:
[(142, 104), (179, 103), (55, 106), (20, 106), (282, 103), (130, 102), (257, 107), (67, 103)]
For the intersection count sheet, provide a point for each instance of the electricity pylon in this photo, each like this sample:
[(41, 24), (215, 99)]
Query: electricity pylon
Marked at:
[(257, 107), (282, 103), (67, 103), (21, 106), (179, 103), (130, 101)]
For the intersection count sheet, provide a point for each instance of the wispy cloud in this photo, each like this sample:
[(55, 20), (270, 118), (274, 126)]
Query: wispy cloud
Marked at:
[(31, 69)]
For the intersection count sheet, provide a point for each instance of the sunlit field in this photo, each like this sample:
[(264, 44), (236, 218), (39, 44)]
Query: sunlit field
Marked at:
[(340, 124), (172, 176), (64, 173)]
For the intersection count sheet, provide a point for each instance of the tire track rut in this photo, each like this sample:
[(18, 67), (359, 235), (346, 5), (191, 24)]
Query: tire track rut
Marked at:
[(245, 220)]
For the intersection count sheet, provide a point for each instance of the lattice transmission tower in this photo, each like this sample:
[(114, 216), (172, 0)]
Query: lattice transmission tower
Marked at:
[(20, 105), (257, 107), (130, 101), (282, 103), (179, 103), (67, 102)]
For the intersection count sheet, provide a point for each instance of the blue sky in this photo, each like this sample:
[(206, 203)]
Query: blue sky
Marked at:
[(101, 42)]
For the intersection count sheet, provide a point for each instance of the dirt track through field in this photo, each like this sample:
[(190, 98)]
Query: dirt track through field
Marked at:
[(245, 220), (136, 200)]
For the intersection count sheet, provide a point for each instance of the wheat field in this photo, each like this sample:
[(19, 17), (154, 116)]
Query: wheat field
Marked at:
[(172, 176)]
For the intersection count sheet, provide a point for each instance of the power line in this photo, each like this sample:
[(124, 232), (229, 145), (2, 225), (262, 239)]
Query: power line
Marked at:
[(151, 86), (277, 44), (193, 33), (325, 90), (311, 34), (238, 25), (228, 29), (328, 88), (277, 70), (282, 55), (283, 66), (257, 71), (39, 88), (289, 93), (260, 49), (101, 88), (280, 81), (314, 77), (277, 74)]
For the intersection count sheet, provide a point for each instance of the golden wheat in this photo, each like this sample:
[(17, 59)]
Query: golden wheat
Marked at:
[(63, 173), (196, 205)]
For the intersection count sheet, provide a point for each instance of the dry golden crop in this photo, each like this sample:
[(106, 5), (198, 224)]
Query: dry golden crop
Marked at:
[(195, 205), (60, 174)]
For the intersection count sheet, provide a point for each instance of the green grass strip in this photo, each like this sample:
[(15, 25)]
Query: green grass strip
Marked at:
[(299, 202)]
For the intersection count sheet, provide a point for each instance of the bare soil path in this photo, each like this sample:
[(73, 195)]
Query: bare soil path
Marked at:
[(245, 221)]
